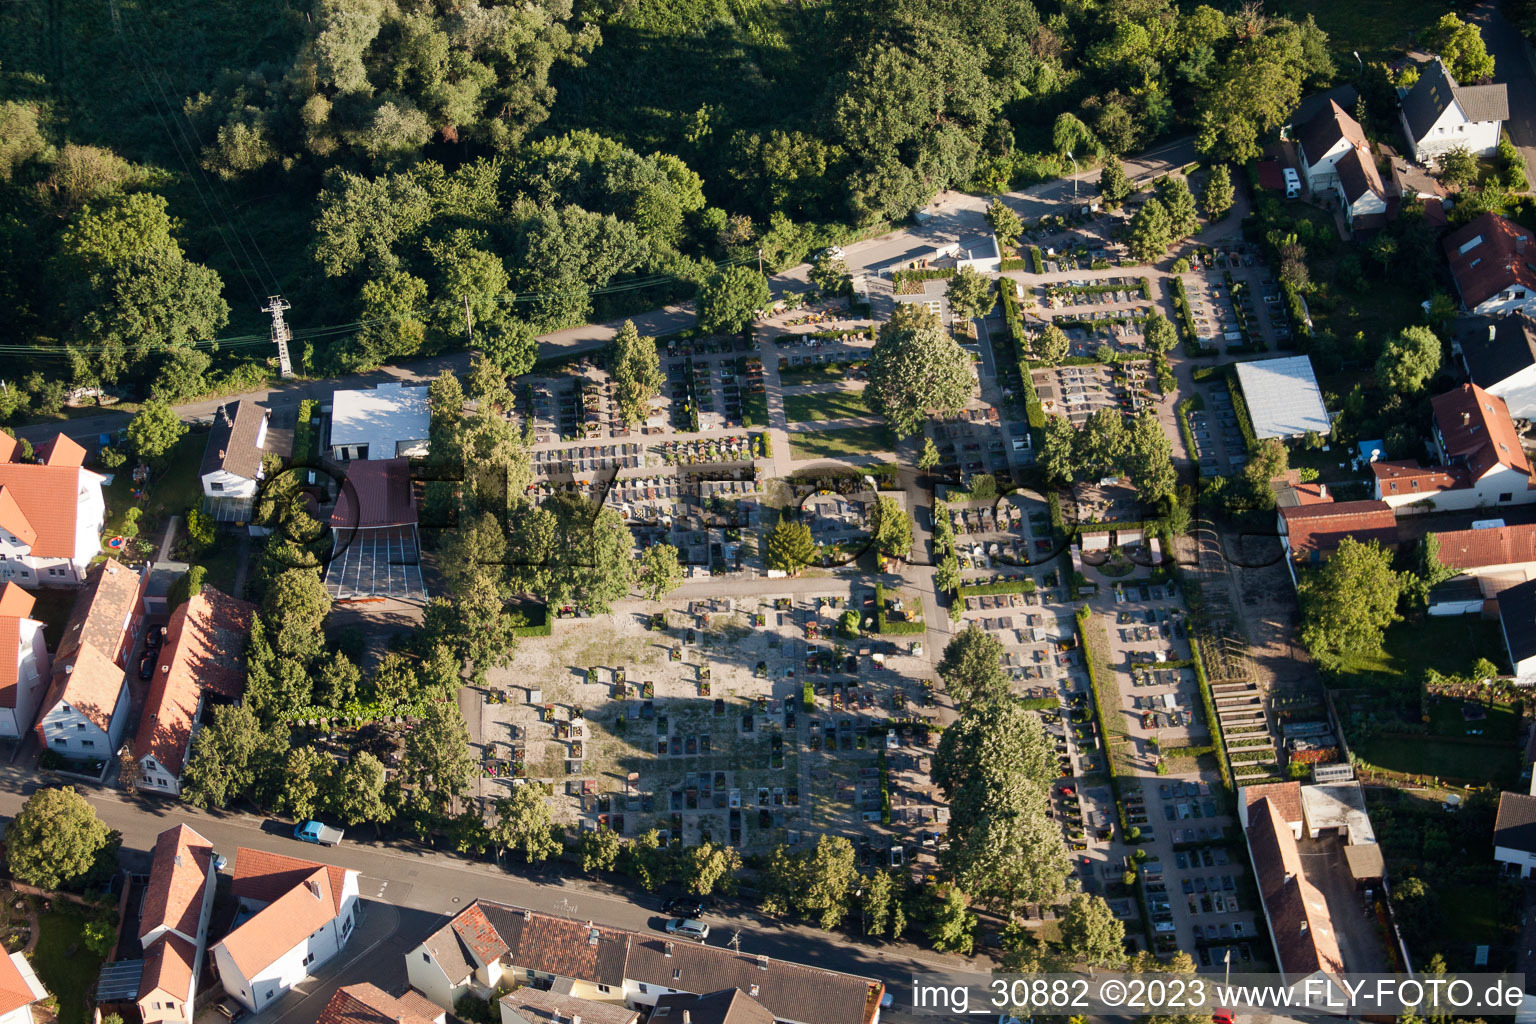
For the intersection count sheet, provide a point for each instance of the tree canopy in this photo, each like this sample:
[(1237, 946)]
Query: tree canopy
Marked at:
[(56, 839), (915, 368), (1347, 605)]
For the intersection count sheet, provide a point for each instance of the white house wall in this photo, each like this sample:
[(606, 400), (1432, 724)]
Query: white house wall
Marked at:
[(290, 968), (1322, 171), (1519, 391), (233, 486), (1451, 130), (33, 666), (426, 976)]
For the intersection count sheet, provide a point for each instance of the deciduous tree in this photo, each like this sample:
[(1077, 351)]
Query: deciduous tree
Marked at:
[(1091, 933), (1151, 232), (597, 849), (1409, 361), (790, 547), (1051, 345), (1460, 45), (524, 824), (730, 298), (915, 368), (972, 667), (154, 430), (709, 867), (970, 294), (1114, 186), (635, 367), (893, 527), (1219, 195), (1347, 605), (1005, 223), (660, 571), (55, 839)]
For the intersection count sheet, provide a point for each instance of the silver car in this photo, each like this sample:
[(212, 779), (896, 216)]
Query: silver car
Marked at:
[(688, 928)]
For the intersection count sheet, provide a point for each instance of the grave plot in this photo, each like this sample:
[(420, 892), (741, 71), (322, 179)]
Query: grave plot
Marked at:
[(727, 721)]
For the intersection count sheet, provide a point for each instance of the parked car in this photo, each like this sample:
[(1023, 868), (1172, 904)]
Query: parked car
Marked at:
[(147, 662), (688, 928), (230, 1009), (316, 832), (154, 638), (684, 907)]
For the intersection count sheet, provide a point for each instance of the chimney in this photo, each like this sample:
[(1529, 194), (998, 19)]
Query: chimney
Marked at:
[(669, 949), (687, 1017), (313, 887), (1520, 243), (1322, 490), (754, 991), (762, 963), (1466, 418)]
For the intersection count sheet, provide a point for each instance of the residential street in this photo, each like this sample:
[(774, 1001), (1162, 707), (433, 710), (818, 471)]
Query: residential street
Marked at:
[(1513, 66), (427, 885)]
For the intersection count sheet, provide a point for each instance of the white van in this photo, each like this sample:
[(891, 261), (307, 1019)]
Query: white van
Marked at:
[(1292, 183)]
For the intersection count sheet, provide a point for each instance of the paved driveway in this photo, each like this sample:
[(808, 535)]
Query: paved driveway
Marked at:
[(1512, 57)]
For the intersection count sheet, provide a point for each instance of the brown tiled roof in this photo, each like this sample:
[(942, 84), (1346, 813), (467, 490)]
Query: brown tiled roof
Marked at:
[(558, 945), (14, 991), (232, 441), (420, 1005), (1298, 914), (168, 967), (477, 932), (1284, 796), (1484, 102), (13, 520), (1515, 827), (540, 1007), (1495, 263), (264, 877), (449, 953), (1411, 477), (607, 956), (791, 992), (15, 608), (46, 497), (8, 445), (376, 492), (1358, 175), (1325, 129), (369, 1004), (202, 651), (1476, 549), (85, 674), (730, 1006), (177, 881), (1321, 527), (1476, 426), (284, 923)]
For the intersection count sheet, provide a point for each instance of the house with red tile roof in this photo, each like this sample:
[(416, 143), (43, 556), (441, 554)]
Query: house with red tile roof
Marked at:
[(51, 514), (85, 711), (369, 1004), (24, 662), (1475, 434), (201, 664), (490, 943), (295, 915), (19, 989), (1487, 562), (1310, 533), (1493, 262), (173, 924), (1300, 924)]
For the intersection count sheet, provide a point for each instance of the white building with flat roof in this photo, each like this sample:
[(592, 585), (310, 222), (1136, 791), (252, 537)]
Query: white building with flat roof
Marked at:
[(1283, 397), (390, 421)]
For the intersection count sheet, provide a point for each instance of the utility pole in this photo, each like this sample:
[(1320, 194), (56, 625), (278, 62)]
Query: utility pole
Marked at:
[(1073, 158), (759, 259), (281, 335)]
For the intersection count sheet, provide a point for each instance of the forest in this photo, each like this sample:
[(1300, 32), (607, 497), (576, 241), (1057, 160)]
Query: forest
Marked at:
[(405, 170)]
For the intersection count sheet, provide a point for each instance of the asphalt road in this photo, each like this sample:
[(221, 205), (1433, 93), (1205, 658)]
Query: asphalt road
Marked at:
[(412, 889), (1512, 66)]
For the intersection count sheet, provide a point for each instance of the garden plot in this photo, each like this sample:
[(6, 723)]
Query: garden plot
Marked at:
[(741, 723)]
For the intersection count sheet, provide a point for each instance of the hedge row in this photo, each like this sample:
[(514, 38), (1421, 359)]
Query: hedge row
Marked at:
[(1196, 751), (901, 278), (304, 432), (1015, 264), (1240, 410), (1099, 715), (1217, 743), (1024, 586), (1033, 410), (1036, 259), (1300, 321), (1182, 410), (1146, 288)]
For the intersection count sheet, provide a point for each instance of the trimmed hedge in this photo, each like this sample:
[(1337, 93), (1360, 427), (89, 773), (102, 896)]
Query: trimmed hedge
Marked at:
[(1034, 412), (1240, 409), (1146, 288), (304, 438), (901, 278), (1218, 745), (1196, 751), (1081, 617), (1024, 586), (1036, 259), (1182, 410), (1015, 264), (1300, 321), (1038, 703)]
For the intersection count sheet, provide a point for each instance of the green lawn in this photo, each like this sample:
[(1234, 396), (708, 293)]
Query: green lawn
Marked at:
[(817, 373), (1374, 27), (826, 405), (171, 491), (1443, 759), (1501, 726), (828, 444), (754, 409), (1447, 644), (221, 562), (63, 964)]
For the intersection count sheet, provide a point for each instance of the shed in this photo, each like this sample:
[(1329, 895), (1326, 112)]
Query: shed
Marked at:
[(1366, 863), (1283, 397)]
